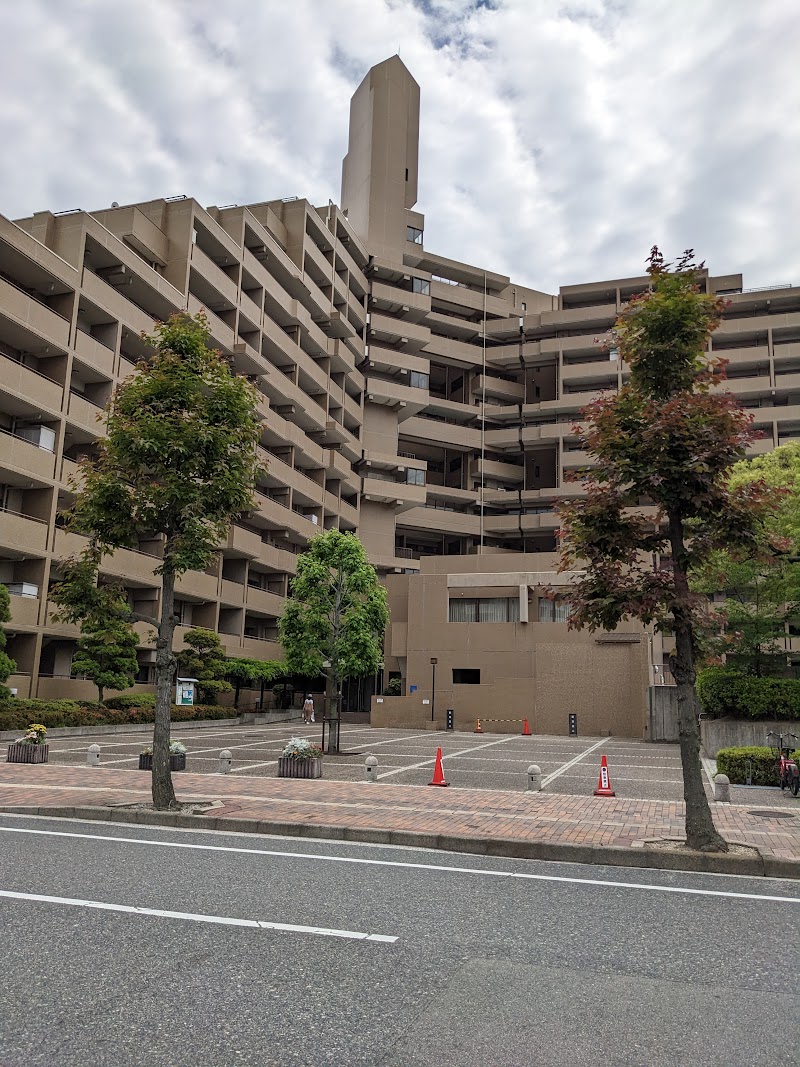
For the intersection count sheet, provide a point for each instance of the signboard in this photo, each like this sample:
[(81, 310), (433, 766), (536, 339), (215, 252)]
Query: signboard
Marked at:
[(184, 691), (450, 717), (412, 689), (573, 725), (426, 701)]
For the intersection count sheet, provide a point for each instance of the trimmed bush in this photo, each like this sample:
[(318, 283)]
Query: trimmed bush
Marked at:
[(724, 693), (16, 715), (131, 700), (733, 762)]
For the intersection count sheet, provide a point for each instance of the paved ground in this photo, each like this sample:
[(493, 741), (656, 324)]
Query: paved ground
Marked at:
[(464, 815), (432, 958), (476, 761)]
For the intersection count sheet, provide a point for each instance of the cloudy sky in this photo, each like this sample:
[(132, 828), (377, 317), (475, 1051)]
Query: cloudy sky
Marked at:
[(559, 140)]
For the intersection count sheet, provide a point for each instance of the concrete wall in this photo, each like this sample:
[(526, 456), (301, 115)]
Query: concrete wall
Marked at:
[(738, 733)]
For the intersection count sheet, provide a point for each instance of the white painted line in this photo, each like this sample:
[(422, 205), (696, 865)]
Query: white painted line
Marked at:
[(450, 755), (566, 766), (441, 868), (220, 920)]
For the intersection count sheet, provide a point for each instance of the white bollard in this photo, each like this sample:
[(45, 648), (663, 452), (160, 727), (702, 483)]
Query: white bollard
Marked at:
[(370, 769), (93, 756), (225, 761), (534, 778), (722, 789)]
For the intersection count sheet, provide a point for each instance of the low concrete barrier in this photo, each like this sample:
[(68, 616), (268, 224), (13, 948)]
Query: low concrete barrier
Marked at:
[(738, 733)]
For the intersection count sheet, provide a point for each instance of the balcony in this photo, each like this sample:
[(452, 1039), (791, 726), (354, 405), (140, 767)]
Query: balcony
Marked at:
[(214, 275), (439, 520), (24, 610), (30, 385), (25, 457), (244, 543), (399, 494), (87, 415), (512, 392), (34, 315), (262, 600), (232, 593), (22, 532), (94, 355), (198, 584)]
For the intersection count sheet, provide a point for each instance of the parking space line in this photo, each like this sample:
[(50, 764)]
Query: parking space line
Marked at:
[(451, 755), (571, 763)]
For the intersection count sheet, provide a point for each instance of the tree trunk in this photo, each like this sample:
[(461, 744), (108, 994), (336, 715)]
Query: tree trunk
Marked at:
[(163, 791), (100, 691), (700, 830), (236, 691)]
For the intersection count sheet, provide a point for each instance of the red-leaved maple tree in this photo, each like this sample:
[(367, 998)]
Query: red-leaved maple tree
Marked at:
[(668, 438)]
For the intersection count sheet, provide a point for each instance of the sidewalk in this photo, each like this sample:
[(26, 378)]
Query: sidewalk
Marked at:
[(581, 829)]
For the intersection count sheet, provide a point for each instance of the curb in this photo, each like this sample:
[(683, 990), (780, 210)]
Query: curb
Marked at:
[(505, 848)]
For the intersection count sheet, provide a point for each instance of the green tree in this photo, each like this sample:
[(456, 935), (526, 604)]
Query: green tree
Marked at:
[(7, 664), (762, 592), (179, 462), (106, 653), (204, 659), (242, 671), (668, 437), (335, 617)]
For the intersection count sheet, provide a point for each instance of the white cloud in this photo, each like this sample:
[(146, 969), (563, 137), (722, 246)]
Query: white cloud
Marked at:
[(559, 140)]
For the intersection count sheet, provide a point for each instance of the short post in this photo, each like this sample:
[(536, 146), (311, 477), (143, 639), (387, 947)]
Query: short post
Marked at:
[(93, 756), (370, 769), (722, 789), (225, 761), (535, 778)]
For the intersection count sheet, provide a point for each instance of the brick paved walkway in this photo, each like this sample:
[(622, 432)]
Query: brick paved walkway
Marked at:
[(491, 814)]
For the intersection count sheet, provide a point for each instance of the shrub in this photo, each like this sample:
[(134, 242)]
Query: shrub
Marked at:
[(16, 714), (131, 700), (726, 693), (394, 688), (301, 748), (733, 762)]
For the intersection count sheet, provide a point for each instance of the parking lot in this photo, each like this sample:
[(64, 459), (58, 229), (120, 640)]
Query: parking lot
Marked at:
[(406, 757)]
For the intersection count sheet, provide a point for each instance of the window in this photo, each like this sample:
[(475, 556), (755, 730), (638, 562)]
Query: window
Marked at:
[(524, 306), (418, 380), (557, 610), (457, 383), (484, 609), (414, 235), (466, 676), (421, 285), (415, 477)]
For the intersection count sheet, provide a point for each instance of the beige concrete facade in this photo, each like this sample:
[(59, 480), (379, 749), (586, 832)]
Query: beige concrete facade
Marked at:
[(425, 402)]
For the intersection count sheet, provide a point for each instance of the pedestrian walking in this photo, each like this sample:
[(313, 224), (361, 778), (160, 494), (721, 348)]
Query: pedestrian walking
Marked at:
[(308, 709)]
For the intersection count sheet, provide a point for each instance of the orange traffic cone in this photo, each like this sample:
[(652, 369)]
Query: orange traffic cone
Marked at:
[(526, 730), (438, 771), (478, 728), (604, 782)]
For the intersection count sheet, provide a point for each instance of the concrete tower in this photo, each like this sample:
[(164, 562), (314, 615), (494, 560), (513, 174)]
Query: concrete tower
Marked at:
[(379, 172)]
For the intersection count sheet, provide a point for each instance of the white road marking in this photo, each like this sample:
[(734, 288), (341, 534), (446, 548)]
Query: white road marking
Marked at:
[(571, 763), (222, 920), (451, 755), (441, 868)]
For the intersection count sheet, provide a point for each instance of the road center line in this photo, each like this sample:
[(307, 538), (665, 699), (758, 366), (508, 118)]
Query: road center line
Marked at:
[(450, 755), (220, 920), (566, 766), (442, 868)]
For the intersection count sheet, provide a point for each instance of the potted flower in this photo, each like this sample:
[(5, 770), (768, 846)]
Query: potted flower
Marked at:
[(177, 757), (300, 759), (32, 748)]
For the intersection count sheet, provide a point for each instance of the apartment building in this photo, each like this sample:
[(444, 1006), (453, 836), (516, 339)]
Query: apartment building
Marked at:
[(428, 404)]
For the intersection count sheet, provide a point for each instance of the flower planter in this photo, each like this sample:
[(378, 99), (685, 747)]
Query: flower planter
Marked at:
[(177, 762), (299, 768), (19, 753)]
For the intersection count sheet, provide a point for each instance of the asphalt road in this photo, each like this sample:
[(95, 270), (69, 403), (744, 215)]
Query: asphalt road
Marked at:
[(388, 956)]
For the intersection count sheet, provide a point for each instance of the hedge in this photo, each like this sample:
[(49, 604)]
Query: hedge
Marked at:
[(724, 693), (131, 700), (17, 714), (733, 762)]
